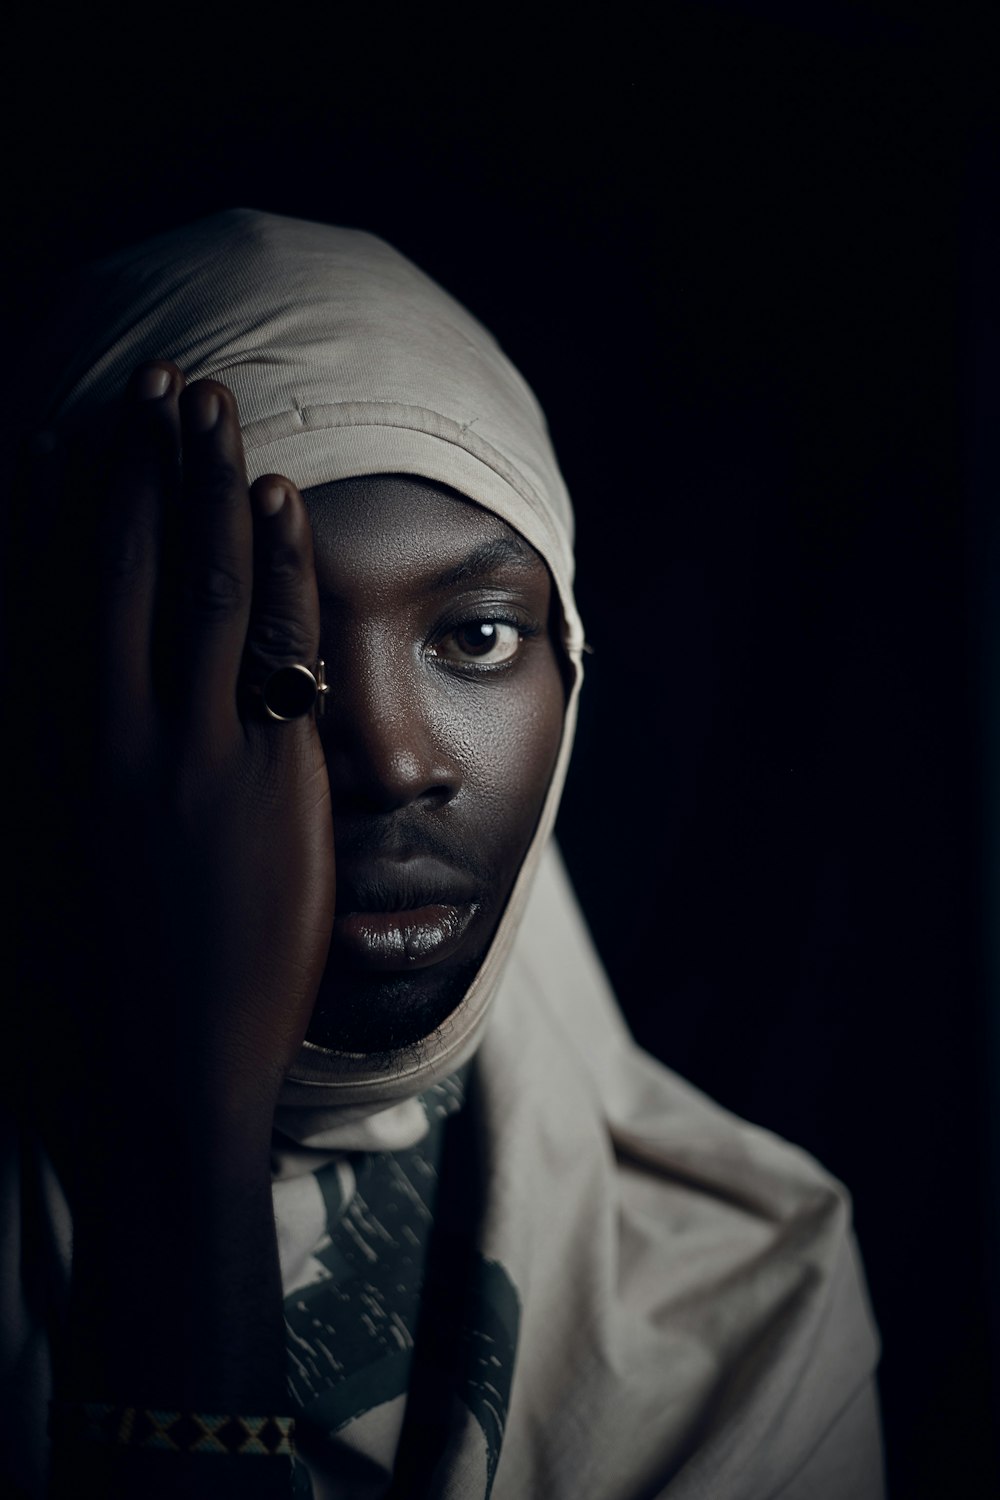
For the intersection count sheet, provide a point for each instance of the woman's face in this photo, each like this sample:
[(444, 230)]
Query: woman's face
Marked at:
[(441, 730)]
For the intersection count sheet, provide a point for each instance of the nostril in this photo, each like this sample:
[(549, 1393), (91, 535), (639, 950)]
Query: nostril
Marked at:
[(438, 796), (374, 771), (374, 797)]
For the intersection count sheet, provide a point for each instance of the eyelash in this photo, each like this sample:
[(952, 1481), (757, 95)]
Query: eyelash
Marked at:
[(526, 630)]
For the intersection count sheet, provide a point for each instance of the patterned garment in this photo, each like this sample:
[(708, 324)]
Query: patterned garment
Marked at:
[(394, 1317)]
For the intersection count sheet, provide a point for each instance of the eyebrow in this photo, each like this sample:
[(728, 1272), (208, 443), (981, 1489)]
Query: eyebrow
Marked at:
[(487, 558)]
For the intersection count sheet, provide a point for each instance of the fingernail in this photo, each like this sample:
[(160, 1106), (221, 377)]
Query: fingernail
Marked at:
[(152, 383), (203, 410), (271, 498)]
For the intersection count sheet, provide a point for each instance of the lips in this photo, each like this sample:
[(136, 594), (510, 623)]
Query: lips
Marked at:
[(401, 914)]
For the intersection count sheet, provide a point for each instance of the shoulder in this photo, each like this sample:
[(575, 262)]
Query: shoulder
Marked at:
[(700, 1273)]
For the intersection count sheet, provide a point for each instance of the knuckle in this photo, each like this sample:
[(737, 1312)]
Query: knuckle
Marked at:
[(216, 480), (284, 564), (214, 591), (277, 641)]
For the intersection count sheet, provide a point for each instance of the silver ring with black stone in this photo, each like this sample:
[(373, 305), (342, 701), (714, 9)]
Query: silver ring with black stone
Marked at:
[(293, 692)]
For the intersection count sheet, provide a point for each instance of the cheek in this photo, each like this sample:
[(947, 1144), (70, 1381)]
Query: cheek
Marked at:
[(508, 741)]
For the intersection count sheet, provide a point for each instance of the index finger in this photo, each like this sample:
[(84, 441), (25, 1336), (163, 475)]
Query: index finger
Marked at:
[(145, 474), (214, 562)]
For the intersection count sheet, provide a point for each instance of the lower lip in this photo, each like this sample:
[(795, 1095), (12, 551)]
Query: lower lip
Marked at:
[(402, 939)]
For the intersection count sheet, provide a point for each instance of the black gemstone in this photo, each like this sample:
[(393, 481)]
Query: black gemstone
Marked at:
[(290, 692)]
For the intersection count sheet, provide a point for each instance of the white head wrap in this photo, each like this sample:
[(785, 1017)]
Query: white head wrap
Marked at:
[(345, 360)]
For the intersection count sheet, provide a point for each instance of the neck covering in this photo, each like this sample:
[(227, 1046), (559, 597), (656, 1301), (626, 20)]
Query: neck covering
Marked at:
[(536, 1263)]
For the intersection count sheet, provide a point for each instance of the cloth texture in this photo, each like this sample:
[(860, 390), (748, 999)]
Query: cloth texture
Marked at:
[(535, 1262)]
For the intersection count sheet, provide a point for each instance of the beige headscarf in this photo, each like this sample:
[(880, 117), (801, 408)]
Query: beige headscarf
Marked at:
[(345, 360), (691, 1312)]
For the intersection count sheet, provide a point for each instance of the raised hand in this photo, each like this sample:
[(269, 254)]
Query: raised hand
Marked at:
[(208, 589), (205, 835), (184, 869)]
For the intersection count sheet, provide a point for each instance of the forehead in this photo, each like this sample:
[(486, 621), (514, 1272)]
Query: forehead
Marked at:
[(391, 531)]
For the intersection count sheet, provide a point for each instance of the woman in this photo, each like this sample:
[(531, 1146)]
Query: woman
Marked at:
[(360, 1142)]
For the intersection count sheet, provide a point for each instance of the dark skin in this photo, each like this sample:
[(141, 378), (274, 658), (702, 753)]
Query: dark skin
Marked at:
[(199, 842), (445, 697)]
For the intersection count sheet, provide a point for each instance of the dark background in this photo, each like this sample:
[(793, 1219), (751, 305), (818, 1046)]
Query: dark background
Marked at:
[(747, 258)]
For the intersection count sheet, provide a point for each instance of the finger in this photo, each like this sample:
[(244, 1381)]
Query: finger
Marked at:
[(284, 613), (144, 480), (214, 561)]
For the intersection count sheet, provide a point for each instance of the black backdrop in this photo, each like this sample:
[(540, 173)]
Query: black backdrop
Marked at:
[(745, 261)]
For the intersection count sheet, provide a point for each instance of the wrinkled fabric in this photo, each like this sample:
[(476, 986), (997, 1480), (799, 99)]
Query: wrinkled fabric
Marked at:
[(537, 1263)]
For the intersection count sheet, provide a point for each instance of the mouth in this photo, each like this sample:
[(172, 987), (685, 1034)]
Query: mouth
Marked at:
[(410, 939), (401, 915)]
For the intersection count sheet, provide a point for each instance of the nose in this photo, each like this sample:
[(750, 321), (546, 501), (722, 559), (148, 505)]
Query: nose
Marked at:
[(382, 731)]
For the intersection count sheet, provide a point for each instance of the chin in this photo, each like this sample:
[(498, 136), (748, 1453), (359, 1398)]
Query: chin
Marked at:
[(380, 1014)]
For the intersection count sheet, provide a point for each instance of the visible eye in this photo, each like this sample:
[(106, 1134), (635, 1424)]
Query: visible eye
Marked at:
[(487, 641)]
